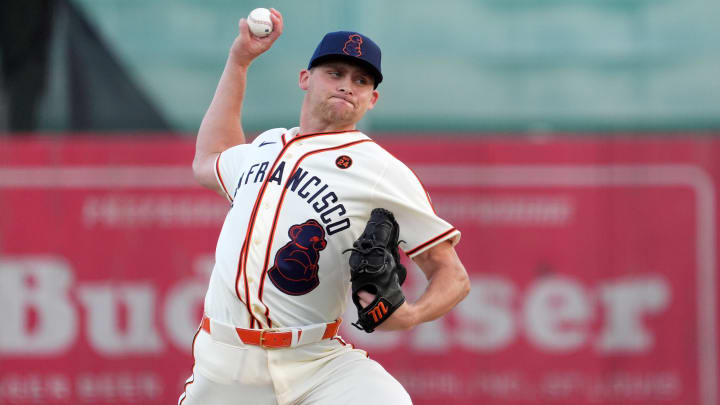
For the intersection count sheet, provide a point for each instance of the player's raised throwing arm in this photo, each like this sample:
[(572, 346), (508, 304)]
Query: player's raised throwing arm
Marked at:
[(221, 127)]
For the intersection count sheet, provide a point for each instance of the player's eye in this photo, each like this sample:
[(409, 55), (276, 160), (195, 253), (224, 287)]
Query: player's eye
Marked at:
[(363, 81)]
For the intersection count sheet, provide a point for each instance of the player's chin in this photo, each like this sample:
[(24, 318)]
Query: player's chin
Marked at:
[(340, 115), (342, 108)]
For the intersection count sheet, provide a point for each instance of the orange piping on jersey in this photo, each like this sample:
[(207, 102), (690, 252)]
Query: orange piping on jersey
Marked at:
[(237, 281), (325, 133), (427, 195), (294, 138), (222, 183), (277, 215), (193, 367), (435, 239), (242, 261)]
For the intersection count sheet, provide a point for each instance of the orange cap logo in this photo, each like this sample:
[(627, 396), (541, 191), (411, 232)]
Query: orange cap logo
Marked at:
[(352, 45)]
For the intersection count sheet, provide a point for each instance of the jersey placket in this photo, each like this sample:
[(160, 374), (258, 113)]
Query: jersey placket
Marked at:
[(259, 241)]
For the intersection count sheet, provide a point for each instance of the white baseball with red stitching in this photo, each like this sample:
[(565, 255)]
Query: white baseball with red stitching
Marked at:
[(259, 22)]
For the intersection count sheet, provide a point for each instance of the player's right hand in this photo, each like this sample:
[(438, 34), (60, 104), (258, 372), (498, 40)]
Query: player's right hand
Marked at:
[(247, 47)]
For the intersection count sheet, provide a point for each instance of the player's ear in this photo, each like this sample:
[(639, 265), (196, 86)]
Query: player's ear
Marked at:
[(373, 99), (304, 79)]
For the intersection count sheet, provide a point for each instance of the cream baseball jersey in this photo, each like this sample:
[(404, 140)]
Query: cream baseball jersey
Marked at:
[(297, 203)]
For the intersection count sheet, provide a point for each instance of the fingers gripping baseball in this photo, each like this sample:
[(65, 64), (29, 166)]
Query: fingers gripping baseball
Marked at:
[(247, 46)]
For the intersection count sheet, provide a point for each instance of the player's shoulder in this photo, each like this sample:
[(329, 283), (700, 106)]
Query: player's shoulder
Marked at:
[(270, 136), (380, 152), (392, 166)]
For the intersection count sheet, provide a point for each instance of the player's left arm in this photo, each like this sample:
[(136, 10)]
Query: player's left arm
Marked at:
[(448, 284)]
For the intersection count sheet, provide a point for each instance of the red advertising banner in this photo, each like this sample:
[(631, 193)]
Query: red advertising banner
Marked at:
[(593, 265)]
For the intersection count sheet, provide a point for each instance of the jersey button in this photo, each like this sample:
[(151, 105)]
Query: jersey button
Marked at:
[(257, 241), (289, 156)]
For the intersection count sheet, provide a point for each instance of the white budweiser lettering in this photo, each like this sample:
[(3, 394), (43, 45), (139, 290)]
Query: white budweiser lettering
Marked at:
[(553, 314)]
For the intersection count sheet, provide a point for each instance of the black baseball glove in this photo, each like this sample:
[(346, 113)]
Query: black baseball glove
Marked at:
[(375, 267)]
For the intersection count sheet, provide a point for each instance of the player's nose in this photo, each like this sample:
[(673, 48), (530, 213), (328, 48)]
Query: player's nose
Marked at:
[(345, 89)]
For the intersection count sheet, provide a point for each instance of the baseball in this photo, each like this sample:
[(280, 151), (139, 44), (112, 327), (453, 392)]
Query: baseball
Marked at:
[(259, 22)]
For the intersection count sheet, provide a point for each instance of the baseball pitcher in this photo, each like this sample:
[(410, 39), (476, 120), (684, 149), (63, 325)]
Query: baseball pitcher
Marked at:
[(318, 212)]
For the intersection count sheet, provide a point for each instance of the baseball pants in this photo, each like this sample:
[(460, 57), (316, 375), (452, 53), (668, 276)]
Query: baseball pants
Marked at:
[(326, 372)]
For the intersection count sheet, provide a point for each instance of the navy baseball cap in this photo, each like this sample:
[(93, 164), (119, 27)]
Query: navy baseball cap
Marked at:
[(351, 45)]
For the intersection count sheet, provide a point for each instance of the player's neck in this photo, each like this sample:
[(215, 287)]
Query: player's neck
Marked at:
[(313, 127), (320, 130)]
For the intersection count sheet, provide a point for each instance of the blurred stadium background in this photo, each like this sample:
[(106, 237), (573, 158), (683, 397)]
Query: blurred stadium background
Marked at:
[(573, 142)]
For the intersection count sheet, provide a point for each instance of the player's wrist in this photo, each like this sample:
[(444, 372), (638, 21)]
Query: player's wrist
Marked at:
[(403, 319), (239, 58), (411, 316)]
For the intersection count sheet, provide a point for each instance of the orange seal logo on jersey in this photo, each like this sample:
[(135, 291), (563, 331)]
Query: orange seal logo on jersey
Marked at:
[(343, 161), (295, 271), (352, 45)]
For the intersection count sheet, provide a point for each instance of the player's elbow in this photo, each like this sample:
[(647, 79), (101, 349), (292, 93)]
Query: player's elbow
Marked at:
[(464, 286), (197, 169), (462, 283), (203, 168)]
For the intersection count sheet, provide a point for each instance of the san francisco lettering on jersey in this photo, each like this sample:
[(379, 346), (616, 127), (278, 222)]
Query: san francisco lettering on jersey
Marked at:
[(310, 188)]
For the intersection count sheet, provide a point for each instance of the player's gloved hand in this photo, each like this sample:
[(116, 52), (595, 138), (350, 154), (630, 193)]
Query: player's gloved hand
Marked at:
[(247, 47), (404, 318), (375, 269)]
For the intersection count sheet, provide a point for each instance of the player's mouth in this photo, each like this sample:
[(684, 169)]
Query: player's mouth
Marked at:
[(345, 100)]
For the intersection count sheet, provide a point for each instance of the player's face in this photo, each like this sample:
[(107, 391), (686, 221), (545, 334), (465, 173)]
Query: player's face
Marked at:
[(338, 92)]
